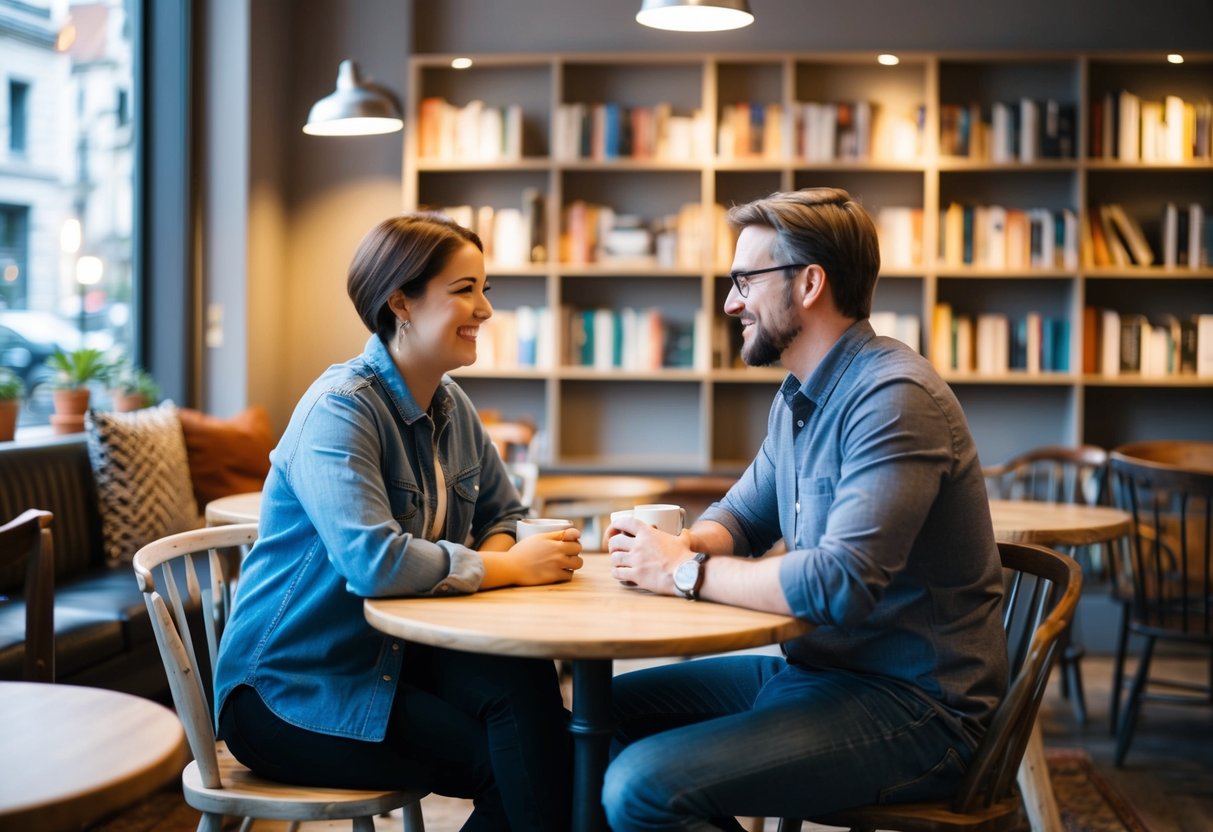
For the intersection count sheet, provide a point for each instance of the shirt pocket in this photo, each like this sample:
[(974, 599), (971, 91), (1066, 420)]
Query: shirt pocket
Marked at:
[(466, 490), (816, 495), (405, 501)]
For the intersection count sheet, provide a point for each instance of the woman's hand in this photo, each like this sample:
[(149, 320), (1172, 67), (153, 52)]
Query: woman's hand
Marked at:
[(540, 559)]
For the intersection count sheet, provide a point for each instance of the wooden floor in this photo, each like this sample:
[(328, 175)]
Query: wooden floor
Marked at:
[(1167, 777)]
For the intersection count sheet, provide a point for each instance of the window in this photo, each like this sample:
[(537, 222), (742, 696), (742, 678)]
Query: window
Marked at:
[(67, 170), (18, 117), (14, 255)]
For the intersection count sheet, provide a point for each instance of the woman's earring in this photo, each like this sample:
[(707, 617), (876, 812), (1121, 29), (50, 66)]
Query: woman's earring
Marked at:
[(404, 325)]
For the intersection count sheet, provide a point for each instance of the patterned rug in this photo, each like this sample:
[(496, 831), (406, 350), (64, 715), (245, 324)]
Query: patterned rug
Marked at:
[(1087, 802)]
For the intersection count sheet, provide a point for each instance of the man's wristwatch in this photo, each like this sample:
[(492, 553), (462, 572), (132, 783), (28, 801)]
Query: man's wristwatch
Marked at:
[(688, 577)]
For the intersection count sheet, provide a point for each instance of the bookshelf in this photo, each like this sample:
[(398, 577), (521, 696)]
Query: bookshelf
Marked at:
[(546, 156)]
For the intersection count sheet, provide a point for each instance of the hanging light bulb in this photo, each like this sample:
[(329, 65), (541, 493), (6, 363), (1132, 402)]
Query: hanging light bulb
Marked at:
[(695, 15)]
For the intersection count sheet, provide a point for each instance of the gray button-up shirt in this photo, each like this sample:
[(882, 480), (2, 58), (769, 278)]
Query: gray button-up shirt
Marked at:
[(871, 477)]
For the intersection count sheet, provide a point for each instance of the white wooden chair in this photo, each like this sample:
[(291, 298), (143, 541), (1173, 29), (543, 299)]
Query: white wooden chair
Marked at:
[(190, 577)]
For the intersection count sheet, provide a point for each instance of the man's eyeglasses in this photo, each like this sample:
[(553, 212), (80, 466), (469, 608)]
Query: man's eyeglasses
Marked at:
[(742, 279)]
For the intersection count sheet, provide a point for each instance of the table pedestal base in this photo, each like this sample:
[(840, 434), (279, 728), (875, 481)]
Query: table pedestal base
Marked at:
[(591, 728)]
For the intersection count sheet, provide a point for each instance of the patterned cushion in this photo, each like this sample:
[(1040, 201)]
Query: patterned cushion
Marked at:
[(143, 477)]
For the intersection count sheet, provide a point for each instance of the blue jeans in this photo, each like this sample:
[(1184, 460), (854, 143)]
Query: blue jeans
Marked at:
[(755, 736)]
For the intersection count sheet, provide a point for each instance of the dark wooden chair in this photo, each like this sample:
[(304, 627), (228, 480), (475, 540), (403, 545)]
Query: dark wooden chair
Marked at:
[(26, 541), (1042, 592), (1062, 474), (1168, 488), (191, 571)]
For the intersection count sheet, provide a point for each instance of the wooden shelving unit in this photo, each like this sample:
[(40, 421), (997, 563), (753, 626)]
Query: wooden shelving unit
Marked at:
[(710, 419)]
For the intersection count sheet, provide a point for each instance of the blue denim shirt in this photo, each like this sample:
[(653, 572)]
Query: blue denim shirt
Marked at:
[(346, 507), (871, 477)]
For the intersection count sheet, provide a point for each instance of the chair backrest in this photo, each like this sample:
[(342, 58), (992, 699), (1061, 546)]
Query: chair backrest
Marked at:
[(1168, 488), (26, 541), (1054, 474), (1042, 588), (196, 571), (512, 439)]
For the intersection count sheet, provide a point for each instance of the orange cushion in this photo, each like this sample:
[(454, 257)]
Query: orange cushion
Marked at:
[(227, 456)]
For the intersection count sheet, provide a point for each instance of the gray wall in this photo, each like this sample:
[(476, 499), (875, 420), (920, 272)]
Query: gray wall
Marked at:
[(304, 202), (802, 25)]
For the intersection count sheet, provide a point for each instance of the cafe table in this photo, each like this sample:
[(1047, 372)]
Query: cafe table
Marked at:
[(236, 508), (71, 754), (1052, 525), (589, 621)]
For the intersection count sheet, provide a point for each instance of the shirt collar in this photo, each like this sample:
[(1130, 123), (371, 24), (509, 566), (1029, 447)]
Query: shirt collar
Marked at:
[(381, 363), (822, 381)]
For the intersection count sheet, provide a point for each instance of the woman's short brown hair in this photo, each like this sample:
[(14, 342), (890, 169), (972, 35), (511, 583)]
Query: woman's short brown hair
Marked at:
[(402, 252), (823, 226)]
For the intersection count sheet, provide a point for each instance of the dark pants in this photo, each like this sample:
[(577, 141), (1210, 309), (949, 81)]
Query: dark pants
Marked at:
[(489, 728)]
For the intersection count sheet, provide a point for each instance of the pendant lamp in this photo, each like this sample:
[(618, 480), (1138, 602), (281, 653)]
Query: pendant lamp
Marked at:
[(355, 108), (695, 15)]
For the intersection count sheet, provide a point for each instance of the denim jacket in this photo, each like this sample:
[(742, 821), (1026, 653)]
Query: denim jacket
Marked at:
[(870, 475), (345, 512)]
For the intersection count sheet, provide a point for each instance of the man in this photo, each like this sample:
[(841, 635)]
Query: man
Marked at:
[(870, 477)]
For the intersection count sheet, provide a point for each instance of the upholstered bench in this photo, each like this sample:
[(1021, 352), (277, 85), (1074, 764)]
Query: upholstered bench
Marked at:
[(103, 635)]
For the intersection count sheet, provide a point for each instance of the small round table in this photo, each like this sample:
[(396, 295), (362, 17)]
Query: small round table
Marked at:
[(238, 508), (73, 754)]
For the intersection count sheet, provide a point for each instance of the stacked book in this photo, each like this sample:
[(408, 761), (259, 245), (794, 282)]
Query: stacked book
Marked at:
[(512, 237), (516, 338), (475, 132), (994, 344), (612, 131), (1127, 128), (638, 340), (1017, 131), (1116, 344), (996, 237)]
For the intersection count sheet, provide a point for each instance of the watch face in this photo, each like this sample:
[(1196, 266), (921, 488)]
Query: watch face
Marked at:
[(685, 575)]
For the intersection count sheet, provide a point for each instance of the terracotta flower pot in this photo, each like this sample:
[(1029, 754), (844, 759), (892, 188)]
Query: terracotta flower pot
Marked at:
[(70, 406), (126, 402), (8, 418)]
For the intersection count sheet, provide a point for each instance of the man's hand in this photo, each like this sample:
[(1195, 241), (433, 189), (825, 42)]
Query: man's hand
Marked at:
[(643, 556)]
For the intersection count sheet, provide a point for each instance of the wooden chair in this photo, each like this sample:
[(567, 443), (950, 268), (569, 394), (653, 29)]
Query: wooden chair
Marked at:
[(1168, 488), (1042, 592), (191, 570), (513, 443), (1061, 474), (26, 543)]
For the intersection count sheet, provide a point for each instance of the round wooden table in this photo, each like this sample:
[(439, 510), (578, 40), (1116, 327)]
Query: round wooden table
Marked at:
[(238, 508), (1050, 524), (72, 754), (1056, 524), (590, 620)]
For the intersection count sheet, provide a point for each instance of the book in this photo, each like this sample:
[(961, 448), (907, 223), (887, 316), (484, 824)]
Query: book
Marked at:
[(1197, 251), (993, 335), (1109, 342), (1133, 329), (1090, 340), (1117, 250), (1170, 235), (1204, 345), (941, 337), (1132, 234)]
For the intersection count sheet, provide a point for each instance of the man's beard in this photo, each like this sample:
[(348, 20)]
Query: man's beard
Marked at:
[(768, 343)]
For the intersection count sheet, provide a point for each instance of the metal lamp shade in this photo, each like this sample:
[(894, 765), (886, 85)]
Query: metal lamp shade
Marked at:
[(695, 15), (355, 108)]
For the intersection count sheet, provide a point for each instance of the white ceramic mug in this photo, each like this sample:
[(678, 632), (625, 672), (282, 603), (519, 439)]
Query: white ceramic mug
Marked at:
[(667, 517), (528, 526)]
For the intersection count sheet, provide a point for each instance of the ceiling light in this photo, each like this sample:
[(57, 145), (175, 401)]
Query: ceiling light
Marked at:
[(1175, 58), (356, 108), (888, 60), (461, 63), (695, 15)]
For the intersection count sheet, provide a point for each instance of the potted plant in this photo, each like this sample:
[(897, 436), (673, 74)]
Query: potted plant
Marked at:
[(11, 390), (73, 371), (132, 388)]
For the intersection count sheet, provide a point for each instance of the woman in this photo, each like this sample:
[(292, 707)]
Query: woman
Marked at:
[(384, 484)]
